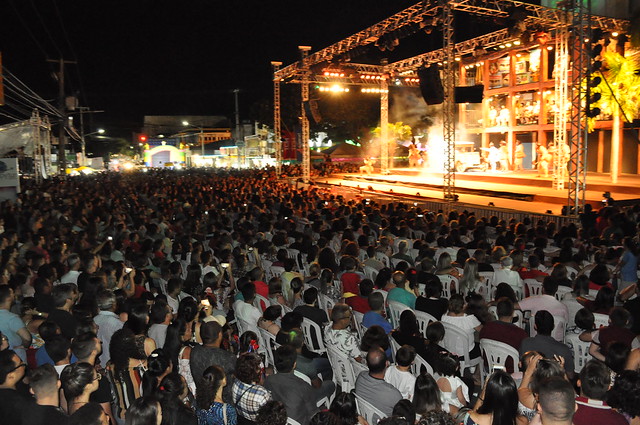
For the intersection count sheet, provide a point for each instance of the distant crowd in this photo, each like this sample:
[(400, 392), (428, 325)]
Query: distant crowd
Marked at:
[(230, 297)]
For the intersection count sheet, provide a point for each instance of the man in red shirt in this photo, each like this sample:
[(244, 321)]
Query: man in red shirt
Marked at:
[(350, 279), (617, 331), (503, 330), (360, 302), (594, 382), (532, 272)]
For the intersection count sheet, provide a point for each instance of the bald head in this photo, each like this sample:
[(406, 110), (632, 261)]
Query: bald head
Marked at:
[(376, 361)]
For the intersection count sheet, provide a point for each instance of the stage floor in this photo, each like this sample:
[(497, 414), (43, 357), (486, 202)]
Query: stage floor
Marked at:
[(522, 190)]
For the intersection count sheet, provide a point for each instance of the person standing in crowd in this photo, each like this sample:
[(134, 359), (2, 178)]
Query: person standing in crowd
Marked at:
[(12, 402), (45, 386), (11, 326)]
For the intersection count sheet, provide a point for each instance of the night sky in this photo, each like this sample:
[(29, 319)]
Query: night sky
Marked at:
[(142, 57)]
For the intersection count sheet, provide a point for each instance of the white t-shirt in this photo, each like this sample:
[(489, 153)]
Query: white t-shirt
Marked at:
[(467, 322), (550, 304), (403, 381)]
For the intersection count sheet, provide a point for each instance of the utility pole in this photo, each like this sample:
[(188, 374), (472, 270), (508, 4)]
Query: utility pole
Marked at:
[(239, 138), (84, 110), (62, 159)]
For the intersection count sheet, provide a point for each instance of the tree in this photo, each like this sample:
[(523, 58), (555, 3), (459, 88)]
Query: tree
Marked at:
[(620, 92)]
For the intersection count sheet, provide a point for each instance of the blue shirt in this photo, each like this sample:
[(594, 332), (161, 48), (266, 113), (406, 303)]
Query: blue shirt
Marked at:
[(372, 318), (10, 324), (628, 272), (215, 415)]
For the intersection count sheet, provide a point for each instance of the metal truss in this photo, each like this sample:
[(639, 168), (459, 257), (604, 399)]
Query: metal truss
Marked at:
[(448, 106), (384, 127), (578, 126), (304, 121), (561, 71), (370, 35), (549, 17), (277, 136), (463, 48)]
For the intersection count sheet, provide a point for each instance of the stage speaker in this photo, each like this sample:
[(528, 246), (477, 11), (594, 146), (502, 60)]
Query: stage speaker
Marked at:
[(312, 111), (469, 94), (431, 85)]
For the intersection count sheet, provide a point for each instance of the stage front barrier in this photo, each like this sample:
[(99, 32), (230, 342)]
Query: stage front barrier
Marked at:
[(436, 205)]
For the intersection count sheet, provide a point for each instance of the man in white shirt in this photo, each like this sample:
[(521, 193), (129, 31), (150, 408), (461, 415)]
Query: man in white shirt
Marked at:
[(547, 301), (108, 322), (244, 309), (74, 270), (175, 294), (160, 318), (506, 275)]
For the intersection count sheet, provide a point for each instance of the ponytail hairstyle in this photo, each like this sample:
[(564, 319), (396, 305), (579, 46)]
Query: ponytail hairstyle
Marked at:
[(157, 365), (208, 386)]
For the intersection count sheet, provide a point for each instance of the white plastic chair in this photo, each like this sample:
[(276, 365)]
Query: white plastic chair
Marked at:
[(357, 321), (370, 272), (456, 340), (447, 281), (383, 258), (559, 323), (580, 351), (313, 336), (562, 291), (394, 347), (534, 287), (572, 306), (259, 301), (484, 288), (368, 411), (276, 271), (417, 365), (325, 303), (497, 353), (423, 321), (325, 401), (395, 310), (342, 371), (357, 367), (600, 320), (571, 272), (292, 422), (268, 339)]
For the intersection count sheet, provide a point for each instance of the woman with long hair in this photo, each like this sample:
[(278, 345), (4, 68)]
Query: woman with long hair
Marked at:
[(409, 333), (144, 411), (470, 280), (445, 266), (158, 366), (497, 404), (426, 395), (125, 369), (212, 410), (138, 323), (178, 350), (344, 407), (79, 381), (170, 393)]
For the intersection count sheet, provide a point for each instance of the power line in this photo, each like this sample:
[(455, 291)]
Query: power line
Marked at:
[(24, 24), (46, 29), (17, 85)]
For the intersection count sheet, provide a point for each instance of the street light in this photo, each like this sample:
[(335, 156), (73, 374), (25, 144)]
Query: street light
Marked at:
[(187, 124), (84, 158)]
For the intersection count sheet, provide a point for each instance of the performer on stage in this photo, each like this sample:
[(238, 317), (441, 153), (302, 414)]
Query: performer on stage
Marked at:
[(494, 157), (414, 156), (504, 156), (519, 154), (544, 157), (368, 166)]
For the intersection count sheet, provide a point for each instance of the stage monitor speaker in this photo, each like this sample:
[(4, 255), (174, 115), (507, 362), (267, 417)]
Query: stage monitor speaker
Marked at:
[(312, 111), (469, 94), (431, 85)]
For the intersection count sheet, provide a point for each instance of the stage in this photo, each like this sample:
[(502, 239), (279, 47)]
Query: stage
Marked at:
[(519, 190)]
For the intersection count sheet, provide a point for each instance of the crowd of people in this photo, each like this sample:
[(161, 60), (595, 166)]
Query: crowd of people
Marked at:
[(230, 297)]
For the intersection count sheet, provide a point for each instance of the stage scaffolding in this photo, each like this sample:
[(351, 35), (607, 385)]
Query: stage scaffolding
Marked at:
[(277, 134), (554, 20)]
